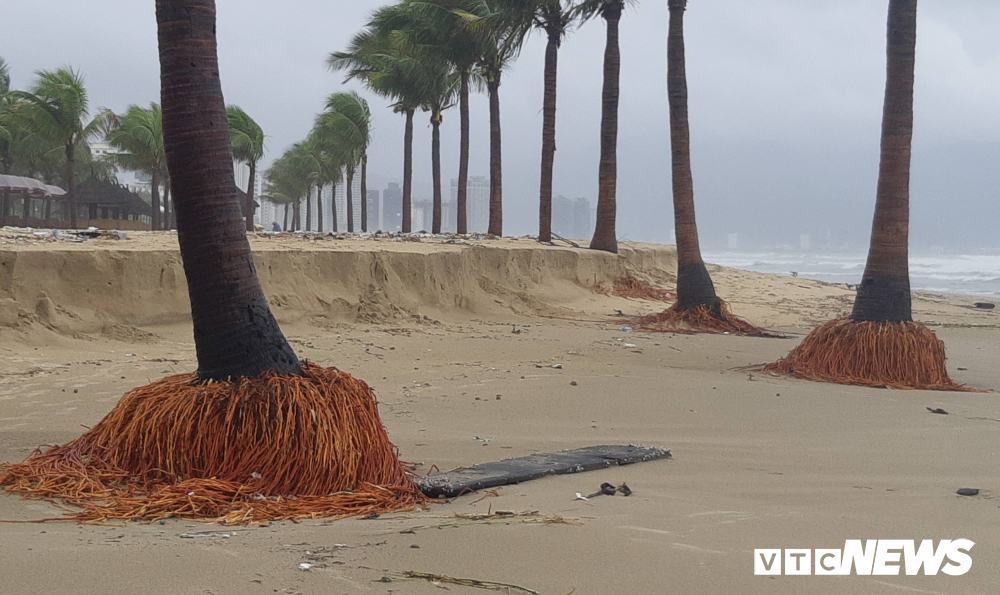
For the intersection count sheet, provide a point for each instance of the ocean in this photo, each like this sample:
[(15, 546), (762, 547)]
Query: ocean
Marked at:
[(973, 274)]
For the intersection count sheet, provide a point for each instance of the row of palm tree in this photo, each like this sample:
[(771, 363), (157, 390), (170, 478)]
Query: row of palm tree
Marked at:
[(46, 131), (431, 54), (335, 152)]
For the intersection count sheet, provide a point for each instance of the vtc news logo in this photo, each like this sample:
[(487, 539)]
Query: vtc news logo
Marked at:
[(878, 557)]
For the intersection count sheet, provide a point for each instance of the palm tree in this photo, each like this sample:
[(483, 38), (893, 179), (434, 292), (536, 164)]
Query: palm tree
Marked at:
[(443, 86), (6, 103), (446, 30), (57, 107), (345, 128), (605, 237), (248, 147), (385, 61), (502, 34), (138, 136), (879, 344), (694, 284)]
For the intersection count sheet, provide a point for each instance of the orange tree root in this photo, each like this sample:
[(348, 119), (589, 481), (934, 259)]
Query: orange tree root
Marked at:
[(628, 286), (904, 355), (701, 319), (244, 452)]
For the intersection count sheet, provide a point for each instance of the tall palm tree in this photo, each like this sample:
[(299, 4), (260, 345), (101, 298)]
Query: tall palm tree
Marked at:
[(57, 107), (502, 33), (694, 284), (388, 64), (605, 236), (6, 103), (248, 147), (138, 136), (345, 127), (443, 86), (879, 344), (235, 333)]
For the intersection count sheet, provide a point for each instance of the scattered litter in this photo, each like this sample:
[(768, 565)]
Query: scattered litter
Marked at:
[(630, 346), (440, 579), (497, 517), (256, 475), (985, 305), (626, 329), (580, 496), (961, 369), (606, 490), (572, 382), (305, 566), (557, 366), (938, 411), (968, 492), (129, 355), (625, 490), (221, 534)]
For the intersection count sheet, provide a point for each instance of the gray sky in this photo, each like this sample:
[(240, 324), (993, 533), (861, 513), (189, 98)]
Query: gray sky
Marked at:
[(785, 99)]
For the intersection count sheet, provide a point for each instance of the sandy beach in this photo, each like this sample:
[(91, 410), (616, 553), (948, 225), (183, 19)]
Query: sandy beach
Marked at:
[(459, 341)]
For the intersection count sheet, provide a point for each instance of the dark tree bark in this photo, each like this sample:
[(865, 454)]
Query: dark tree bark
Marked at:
[(408, 172), (884, 293), (235, 333), (26, 209), (364, 192), (436, 120), (284, 226), (349, 198), (155, 192), (319, 207), (251, 206), (496, 160), (463, 155), (48, 212), (694, 284), (71, 184), (548, 138), (605, 236)]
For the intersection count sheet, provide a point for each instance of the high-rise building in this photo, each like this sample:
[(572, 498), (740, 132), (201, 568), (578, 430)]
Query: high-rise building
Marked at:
[(342, 203), (562, 217), (374, 211), (392, 208), (422, 215), (477, 206)]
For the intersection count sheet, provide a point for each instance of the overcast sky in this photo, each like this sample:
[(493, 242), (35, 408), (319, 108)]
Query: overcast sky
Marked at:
[(785, 100)]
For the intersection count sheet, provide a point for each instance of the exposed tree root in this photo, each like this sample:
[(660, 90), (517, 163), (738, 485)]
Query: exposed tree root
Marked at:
[(247, 451), (628, 286), (701, 319), (905, 355)]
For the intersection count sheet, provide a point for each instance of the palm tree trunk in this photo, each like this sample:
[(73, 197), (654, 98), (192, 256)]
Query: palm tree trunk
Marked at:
[(284, 226), (251, 205), (548, 138), (319, 207), (333, 223), (605, 237), (350, 200), (496, 161), (408, 172), (309, 207), (364, 192), (71, 184), (884, 293), (26, 210), (463, 155), (235, 333), (155, 191), (48, 211), (694, 285), (297, 215), (436, 171)]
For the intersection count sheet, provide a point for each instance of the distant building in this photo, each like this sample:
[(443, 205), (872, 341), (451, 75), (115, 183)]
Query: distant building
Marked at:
[(571, 218), (341, 202), (582, 227), (421, 215), (477, 206), (374, 211), (392, 208)]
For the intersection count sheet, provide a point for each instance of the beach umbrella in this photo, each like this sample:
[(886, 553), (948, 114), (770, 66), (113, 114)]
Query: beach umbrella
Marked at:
[(21, 186)]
